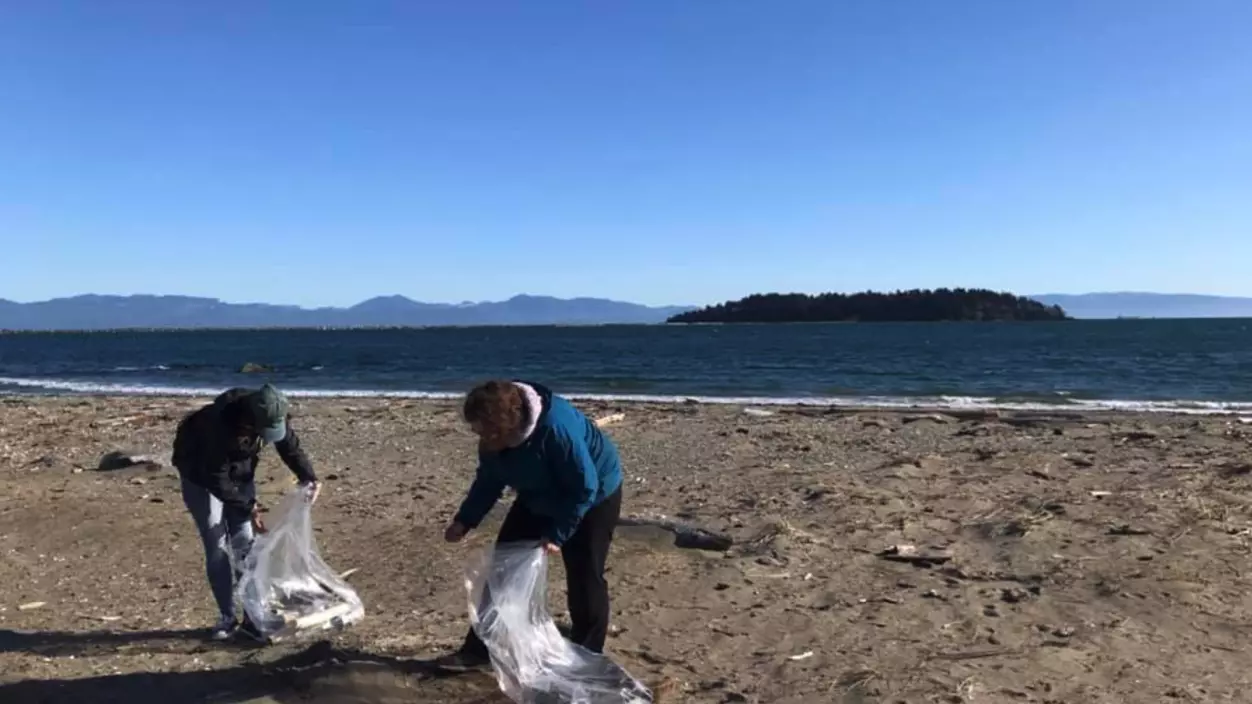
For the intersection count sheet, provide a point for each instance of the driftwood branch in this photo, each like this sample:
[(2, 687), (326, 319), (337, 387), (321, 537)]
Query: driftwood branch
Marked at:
[(685, 534), (319, 618), (610, 419)]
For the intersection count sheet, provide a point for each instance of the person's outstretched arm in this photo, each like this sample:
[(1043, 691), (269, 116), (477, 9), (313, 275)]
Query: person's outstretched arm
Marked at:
[(293, 456), (481, 497)]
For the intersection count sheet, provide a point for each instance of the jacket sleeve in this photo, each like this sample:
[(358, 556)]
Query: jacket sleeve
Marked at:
[(481, 497), (577, 478), (293, 456), (186, 448)]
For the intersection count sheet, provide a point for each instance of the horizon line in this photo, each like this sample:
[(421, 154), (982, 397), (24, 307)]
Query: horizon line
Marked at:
[(345, 307)]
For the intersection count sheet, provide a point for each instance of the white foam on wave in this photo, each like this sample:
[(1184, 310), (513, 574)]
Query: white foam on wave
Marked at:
[(883, 402), (114, 389)]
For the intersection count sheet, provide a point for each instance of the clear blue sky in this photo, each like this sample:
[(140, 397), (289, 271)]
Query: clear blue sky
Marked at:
[(652, 150)]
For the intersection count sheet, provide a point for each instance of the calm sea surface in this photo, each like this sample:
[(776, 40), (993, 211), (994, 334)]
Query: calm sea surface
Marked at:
[(1201, 364)]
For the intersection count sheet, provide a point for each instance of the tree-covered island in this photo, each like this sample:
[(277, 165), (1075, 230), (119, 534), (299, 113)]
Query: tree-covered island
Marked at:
[(900, 306)]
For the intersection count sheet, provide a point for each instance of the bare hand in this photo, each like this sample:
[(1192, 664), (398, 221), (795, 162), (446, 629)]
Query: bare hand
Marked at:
[(314, 489), (551, 548), (455, 532), (258, 524)]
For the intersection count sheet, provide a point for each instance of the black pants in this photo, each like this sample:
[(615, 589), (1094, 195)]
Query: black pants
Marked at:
[(584, 555)]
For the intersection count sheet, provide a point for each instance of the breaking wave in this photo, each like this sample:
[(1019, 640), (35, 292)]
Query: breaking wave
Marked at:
[(1061, 402)]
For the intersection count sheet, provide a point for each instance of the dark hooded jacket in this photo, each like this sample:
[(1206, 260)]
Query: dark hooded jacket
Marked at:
[(208, 454)]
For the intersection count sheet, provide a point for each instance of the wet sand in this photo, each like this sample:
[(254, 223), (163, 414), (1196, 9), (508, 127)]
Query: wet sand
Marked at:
[(1067, 558)]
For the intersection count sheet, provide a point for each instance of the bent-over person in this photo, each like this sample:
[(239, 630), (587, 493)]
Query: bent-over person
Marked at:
[(216, 451)]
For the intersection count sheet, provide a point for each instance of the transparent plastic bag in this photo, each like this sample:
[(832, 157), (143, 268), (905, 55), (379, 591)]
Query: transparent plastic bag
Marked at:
[(286, 588), (534, 663)]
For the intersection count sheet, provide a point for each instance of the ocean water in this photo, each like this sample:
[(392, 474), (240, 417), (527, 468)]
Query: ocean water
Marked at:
[(1194, 365)]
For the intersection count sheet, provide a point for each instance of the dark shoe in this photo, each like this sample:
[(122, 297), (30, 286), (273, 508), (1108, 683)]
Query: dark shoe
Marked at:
[(225, 628), (248, 630), (462, 661)]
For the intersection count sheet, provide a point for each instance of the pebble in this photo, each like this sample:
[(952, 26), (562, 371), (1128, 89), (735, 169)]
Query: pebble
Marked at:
[(1013, 595)]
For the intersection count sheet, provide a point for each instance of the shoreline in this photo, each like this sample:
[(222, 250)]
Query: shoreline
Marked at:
[(763, 408), (951, 405)]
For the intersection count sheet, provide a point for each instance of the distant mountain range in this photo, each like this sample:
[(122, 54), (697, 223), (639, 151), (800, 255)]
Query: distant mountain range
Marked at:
[(91, 312), (1148, 305)]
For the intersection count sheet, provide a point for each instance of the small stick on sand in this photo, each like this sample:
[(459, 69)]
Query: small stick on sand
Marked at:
[(610, 419)]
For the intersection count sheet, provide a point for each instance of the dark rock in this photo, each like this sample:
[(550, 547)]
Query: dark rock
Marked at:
[(253, 368), (1013, 596), (1236, 469), (1128, 530)]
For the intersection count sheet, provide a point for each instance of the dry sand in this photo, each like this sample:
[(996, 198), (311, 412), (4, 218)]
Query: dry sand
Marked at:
[(1075, 559)]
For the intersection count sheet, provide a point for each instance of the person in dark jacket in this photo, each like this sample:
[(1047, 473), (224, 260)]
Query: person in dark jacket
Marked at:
[(568, 480), (216, 450)]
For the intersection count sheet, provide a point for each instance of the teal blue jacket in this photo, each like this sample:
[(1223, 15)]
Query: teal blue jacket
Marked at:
[(560, 472)]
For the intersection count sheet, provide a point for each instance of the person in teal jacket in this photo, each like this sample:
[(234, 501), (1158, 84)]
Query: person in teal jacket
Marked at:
[(568, 479)]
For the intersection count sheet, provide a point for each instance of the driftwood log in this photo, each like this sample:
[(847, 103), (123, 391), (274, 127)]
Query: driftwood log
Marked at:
[(318, 618), (685, 534), (116, 460)]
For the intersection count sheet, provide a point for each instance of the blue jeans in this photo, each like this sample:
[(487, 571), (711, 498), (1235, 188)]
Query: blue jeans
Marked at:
[(227, 538)]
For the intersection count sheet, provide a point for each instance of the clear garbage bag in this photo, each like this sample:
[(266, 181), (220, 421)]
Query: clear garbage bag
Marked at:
[(534, 663), (286, 588)]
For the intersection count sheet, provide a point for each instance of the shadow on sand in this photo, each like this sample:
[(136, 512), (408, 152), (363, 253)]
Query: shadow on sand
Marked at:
[(59, 644), (320, 674)]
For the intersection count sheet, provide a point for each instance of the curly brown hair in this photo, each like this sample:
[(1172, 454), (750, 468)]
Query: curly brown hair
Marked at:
[(498, 408)]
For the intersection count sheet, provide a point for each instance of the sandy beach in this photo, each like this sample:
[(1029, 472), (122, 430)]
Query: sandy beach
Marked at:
[(1043, 558)]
